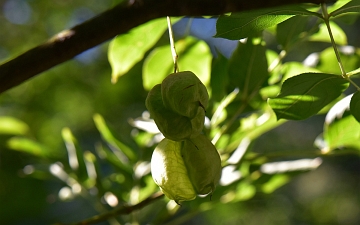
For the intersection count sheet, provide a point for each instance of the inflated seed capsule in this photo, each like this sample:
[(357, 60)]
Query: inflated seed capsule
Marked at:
[(169, 171), (185, 169), (202, 162), (184, 93), (173, 125)]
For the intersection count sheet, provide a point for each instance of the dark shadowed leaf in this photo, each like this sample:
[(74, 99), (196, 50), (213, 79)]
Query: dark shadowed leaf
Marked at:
[(291, 31), (218, 79), (355, 106), (306, 94), (109, 137), (248, 68), (245, 24)]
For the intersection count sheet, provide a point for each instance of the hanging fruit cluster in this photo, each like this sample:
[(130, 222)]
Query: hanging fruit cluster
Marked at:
[(185, 163)]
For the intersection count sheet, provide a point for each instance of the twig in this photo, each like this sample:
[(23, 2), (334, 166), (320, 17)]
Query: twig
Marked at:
[(118, 211)]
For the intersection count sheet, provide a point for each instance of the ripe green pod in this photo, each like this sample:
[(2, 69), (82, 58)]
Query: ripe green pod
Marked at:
[(169, 171), (203, 163), (185, 169), (184, 93)]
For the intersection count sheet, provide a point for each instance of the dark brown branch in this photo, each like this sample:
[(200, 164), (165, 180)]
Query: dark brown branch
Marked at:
[(120, 19), (119, 211)]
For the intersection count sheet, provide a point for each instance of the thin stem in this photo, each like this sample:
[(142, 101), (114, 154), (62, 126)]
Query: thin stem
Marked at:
[(343, 72), (172, 46), (326, 20), (354, 72)]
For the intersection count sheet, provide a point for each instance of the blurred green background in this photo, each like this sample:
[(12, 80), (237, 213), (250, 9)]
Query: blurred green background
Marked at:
[(70, 94)]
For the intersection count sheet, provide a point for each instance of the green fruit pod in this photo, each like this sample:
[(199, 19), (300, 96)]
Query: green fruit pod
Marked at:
[(185, 169), (184, 93), (203, 164), (173, 125), (169, 171)]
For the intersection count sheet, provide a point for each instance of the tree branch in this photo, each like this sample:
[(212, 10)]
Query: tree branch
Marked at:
[(118, 211), (118, 20)]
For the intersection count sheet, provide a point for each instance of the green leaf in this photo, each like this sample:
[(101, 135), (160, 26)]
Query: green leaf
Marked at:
[(291, 69), (12, 126), (275, 182), (306, 94), (115, 160), (355, 106), (75, 154), (352, 6), (344, 132), (248, 68), (323, 34), (128, 49), (29, 146), (157, 66), (328, 62), (219, 76), (291, 31), (244, 191), (109, 137), (194, 55), (245, 24)]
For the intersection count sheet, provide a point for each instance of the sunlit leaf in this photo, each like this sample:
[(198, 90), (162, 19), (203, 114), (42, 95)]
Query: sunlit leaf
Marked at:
[(355, 106), (94, 172), (75, 154), (352, 6), (261, 124), (342, 132), (244, 191), (220, 112), (323, 34), (114, 159), (306, 94), (29, 146), (12, 126), (337, 5), (245, 24), (291, 69), (157, 66), (248, 68), (149, 189), (194, 56), (275, 182), (328, 62), (269, 91), (109, 137), (128, 49)]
